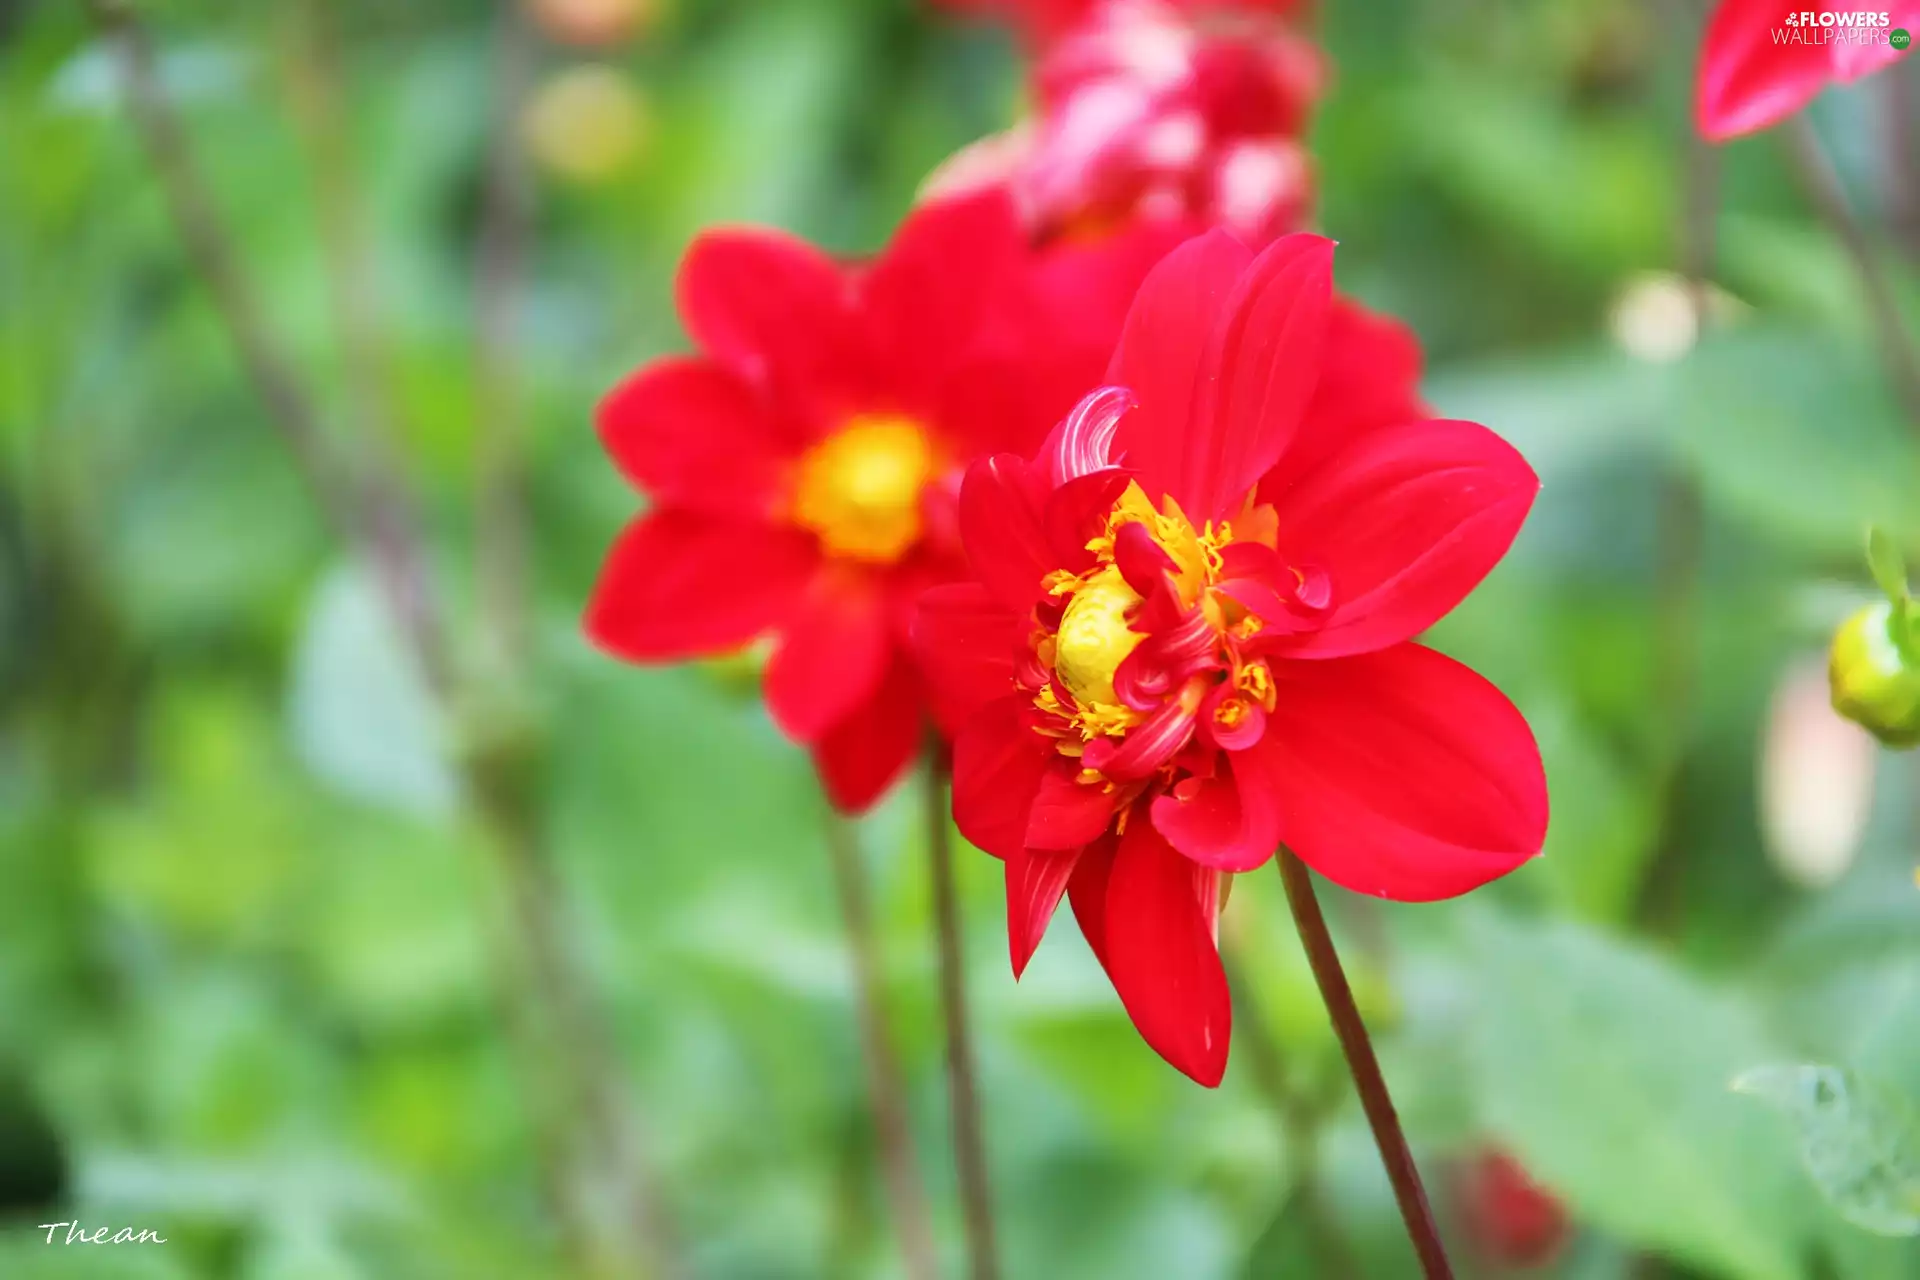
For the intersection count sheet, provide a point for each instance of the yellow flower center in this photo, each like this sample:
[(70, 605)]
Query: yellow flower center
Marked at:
[(1094, 638), (859, 489)]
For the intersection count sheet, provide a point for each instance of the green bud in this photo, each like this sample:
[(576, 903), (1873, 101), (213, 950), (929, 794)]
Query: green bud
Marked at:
[(1874, 674)]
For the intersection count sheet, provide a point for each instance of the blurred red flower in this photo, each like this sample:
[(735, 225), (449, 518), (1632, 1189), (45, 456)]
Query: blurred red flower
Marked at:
[(1189, 634), (803, 466), (1145, 110), (1045, 20), (1511, 1220), (1762, 61)]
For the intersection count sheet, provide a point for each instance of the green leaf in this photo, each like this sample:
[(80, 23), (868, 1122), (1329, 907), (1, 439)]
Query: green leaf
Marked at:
[(1603, 1068), (361, 715), (1858, 1141), (1888, 566)]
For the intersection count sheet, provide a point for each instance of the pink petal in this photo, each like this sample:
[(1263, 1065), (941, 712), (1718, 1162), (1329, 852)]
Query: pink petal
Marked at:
[(1404, 524), (1162, 956), (833, 653), (1404, 774), (1747, 81), (680, 584), (998, 763)]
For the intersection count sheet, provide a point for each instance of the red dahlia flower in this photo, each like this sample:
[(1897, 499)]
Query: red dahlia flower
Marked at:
[(1146, 111), (1189, 634), (803, 467), (1762, 61)]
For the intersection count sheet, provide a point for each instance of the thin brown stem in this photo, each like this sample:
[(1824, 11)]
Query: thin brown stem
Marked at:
[(506, 211), (886, 1085), (1823, 185), (963, 1096), (1355, 1043)]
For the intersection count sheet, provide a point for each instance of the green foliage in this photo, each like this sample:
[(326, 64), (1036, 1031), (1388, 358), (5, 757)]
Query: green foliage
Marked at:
[(1858, 1141)]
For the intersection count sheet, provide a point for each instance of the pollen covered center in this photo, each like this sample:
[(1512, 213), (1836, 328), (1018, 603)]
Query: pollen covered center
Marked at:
[(1094, 638), (859, 489)]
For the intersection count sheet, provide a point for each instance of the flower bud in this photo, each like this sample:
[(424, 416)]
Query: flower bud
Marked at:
[(1874, 673)]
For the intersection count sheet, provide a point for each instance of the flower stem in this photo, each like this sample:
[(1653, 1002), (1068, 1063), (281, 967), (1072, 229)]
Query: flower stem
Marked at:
[(1372, 1086), (963, 1096), (1817, 174), (886, 1086)]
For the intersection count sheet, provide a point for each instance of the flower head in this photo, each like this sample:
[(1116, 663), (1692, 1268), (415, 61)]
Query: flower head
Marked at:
[(1759, 64), (1189, 637), (802, 467), (1161, 110)]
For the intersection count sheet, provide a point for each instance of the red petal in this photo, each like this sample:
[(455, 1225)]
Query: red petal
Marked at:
[(1001, 527), (1405, 524), (1162, 956), (1087, 892), (1077, 511), (1083, 442), (772, 307), (1747, 81), (1067, 813), (1369, 378), (690, 434), (680, 584), (1404, 774), (927, 300), (1263, 364), (1231, 821), (966, 643), (998, 763), (832, 654), (865, 754), (1036, 878), (1162, 356)]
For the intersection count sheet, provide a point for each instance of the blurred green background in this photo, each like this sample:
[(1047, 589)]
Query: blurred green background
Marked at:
[(258, 959)]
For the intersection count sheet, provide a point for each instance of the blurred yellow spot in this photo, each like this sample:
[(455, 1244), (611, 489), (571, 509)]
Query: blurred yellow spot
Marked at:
[(859, 489), (585, 123)]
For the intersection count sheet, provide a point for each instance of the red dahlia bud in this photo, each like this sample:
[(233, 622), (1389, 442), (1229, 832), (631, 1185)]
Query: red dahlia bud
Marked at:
[(1511, 1220)]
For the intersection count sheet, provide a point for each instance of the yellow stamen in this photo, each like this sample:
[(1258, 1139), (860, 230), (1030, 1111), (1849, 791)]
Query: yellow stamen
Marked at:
[(859, 489), (1094, 638)]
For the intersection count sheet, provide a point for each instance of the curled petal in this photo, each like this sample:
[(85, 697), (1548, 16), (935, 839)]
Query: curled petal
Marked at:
[(1159, 939), (1147, 746), (1083, 442), (1143, 562), (1231, 821), (1231, 720)]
